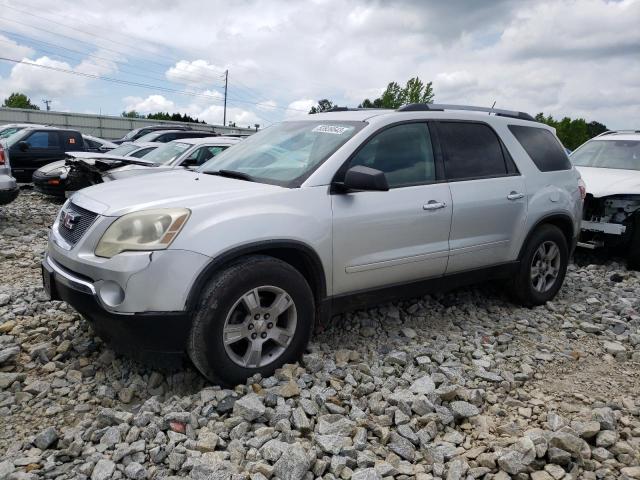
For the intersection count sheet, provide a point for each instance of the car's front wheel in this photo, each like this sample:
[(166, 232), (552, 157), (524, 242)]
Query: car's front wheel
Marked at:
[(253, 317), (543, 266)]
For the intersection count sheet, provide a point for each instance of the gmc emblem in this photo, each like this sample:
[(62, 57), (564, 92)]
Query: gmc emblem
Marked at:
[(69, 220)]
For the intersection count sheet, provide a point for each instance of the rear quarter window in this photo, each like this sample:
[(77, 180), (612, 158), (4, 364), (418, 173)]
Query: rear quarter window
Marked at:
[(543, 148)]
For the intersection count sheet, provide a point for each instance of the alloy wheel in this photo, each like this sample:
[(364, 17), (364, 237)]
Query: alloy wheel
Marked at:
[(260, 326), (545, 266)]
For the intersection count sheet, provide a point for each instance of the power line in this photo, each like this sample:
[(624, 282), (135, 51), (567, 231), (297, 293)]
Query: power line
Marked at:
[(68, 57), (128, 45), (135, 84)]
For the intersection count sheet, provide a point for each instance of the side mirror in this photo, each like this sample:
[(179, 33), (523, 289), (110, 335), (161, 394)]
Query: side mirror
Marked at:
[(23, 146), (365, 178), (190, 163)]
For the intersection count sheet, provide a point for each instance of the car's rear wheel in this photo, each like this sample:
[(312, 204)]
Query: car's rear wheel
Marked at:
[(543, 266), (253, 317)]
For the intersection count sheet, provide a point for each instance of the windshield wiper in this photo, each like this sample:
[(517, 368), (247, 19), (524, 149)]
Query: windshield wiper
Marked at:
[(231, 174)]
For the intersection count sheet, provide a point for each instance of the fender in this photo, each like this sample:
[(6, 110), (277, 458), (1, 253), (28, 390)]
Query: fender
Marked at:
[(560, 220), (278, 248)]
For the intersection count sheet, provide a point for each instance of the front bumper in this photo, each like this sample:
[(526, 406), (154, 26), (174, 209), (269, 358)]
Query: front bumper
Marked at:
[(54, 186), (153, 337)]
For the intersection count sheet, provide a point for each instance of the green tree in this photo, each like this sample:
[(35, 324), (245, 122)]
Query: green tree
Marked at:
[(323, 106), (394, 96), (132, 114), (572, 132), (19, 100)]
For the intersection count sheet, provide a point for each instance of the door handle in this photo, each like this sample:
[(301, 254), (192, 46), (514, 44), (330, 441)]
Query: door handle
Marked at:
[(433, 205), (515, 196)]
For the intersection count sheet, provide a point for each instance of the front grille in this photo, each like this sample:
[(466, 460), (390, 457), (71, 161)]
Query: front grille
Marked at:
[(74, 222)]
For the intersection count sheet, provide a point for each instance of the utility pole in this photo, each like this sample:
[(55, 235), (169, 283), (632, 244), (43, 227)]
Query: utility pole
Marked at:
[(226, 81), (47, 102)]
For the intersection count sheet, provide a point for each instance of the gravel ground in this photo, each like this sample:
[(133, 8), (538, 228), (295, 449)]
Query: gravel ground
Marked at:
[(457, 386)]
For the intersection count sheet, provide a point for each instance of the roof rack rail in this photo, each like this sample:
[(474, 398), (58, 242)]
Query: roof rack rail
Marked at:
[(611, 132), (437, 107)]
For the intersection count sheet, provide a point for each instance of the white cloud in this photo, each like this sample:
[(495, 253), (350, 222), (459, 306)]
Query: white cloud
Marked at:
[(558, 56), (12, 49), (151, 104), (299, 108), (196, 72)]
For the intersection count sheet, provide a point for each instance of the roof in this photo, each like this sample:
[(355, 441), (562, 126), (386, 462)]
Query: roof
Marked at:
[(423, 110), (208, 140), (622, 135)]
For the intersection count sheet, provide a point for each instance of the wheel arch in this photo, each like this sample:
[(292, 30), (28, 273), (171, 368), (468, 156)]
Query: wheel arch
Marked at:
[(297, 254), (561, 220)]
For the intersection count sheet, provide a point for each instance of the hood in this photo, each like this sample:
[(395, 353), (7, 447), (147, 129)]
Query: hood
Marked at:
[(106, 156), (49, 167), (604, 182), (177, 188)]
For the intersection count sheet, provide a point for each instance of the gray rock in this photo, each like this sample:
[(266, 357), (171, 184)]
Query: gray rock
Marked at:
[(293, 464), (103, 469), (402, 447), (249, 407), (334, 424), (136, 471), (7, 354), (46, 438), (423, 385), (366, 474), (462, 409)]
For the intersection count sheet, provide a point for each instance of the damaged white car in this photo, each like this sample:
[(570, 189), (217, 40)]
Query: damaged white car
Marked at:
[(610, 167)]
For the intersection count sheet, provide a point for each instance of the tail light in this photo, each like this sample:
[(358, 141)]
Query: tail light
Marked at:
[(583, 188), (1, 155)]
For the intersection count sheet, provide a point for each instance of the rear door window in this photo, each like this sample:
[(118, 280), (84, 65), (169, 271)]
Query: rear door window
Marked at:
[(472, 150), (543, 147), (43, 140)]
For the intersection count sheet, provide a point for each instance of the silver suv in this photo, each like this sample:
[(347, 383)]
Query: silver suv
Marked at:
[(235, 262)]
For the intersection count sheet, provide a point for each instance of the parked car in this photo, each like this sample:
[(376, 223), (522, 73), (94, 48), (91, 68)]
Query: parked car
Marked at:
[(610, 167), (95, 144), (183, 153), (8, 186), (10, 128), (164, 136), (32, 148), (235, 262), (53, 178), (134, 135)]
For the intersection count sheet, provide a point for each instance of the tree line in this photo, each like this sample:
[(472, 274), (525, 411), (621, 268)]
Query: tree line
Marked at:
[(176, 117), (572, 132)]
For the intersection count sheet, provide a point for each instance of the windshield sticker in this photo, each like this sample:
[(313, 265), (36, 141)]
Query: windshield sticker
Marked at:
[(331, 129)]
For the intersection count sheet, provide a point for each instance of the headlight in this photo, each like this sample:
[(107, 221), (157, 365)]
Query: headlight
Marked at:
[(143, 230), (58, 171)]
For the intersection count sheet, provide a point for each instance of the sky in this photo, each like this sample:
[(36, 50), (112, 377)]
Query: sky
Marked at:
[(577, 58)]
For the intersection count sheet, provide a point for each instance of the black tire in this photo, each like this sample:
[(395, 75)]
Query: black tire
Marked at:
[(633, 257), (522, 285), (206, 347)]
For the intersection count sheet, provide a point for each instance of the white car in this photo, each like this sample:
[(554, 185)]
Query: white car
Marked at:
[(182, 153), (610, 167)]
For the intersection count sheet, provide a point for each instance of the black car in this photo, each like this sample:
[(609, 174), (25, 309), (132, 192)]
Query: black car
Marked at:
[(134, 135), (165, 136), (31, 148)]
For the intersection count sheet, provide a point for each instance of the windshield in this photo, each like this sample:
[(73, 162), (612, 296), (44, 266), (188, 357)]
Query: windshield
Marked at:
[(123, 149), (7, 132), (167, 152), (285, 154), (131, 135), (622, 154), (16, 137)]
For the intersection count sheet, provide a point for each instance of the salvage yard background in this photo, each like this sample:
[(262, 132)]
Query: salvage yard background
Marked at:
[(459, 385)]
